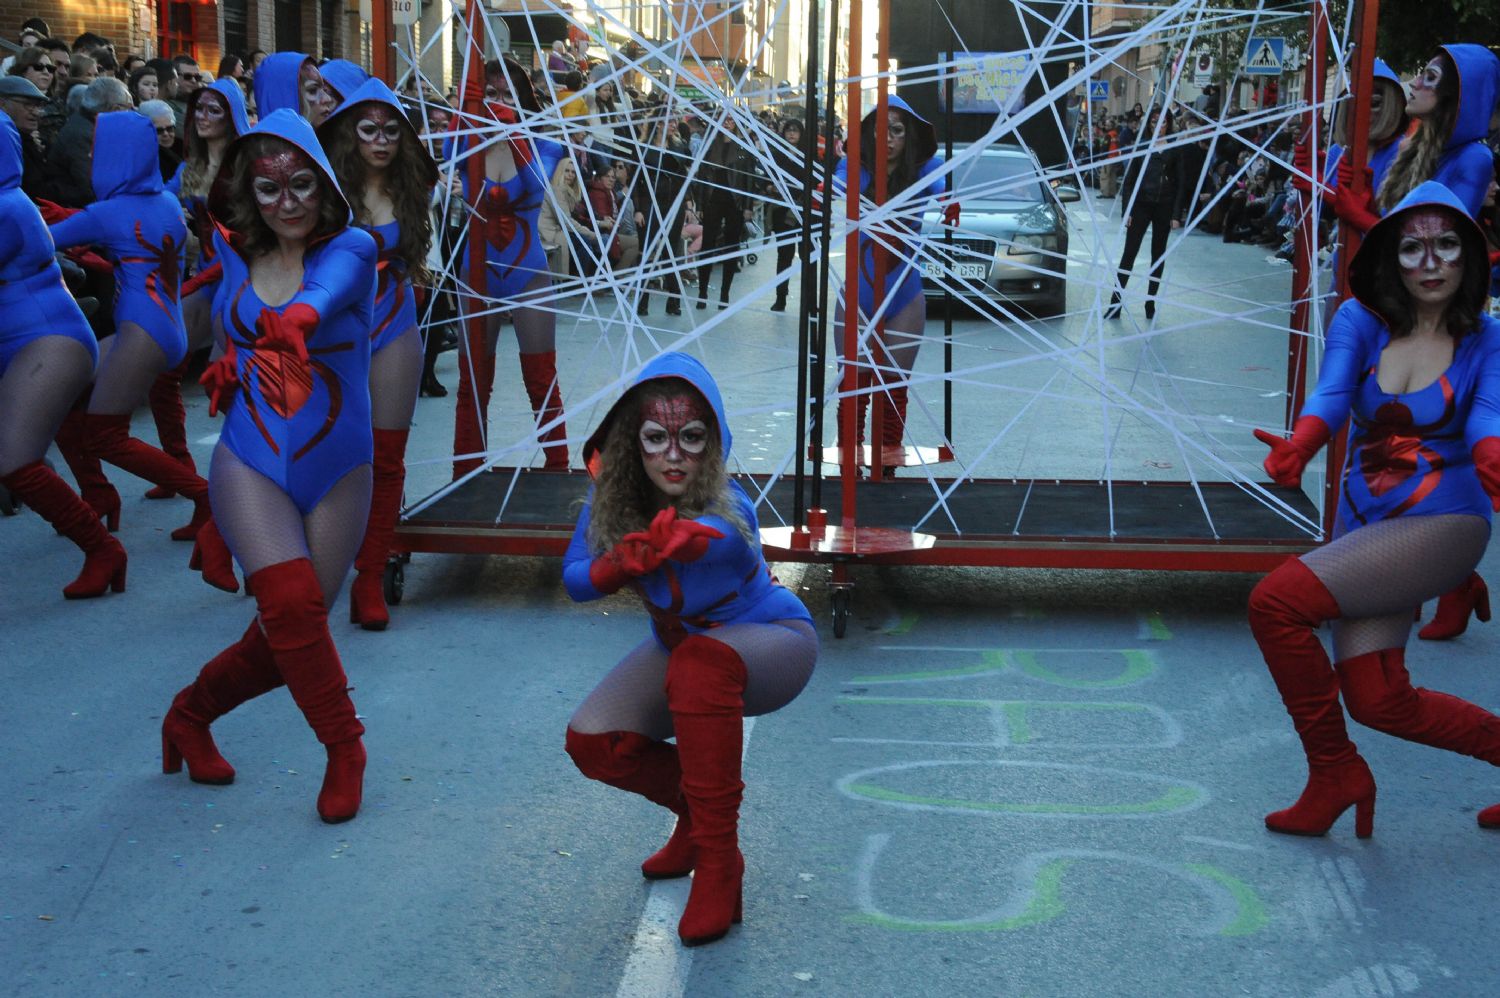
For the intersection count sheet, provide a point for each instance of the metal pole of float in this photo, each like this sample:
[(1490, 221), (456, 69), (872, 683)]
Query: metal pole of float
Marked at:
[(805, 356), (825, 239), (1367, 17), (1304, 260), (849, 452), (948, 255), (473, 83), (884, 363), (382, 34)]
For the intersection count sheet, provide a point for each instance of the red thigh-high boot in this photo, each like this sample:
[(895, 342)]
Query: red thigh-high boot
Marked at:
[(863, 379), (1452, 617), (1285, 610), (241, 672), (109, 438), (295, 620), (631, 761), (470, 416), (1379, 693), (104, 559), (212, 558), (93, 486), (171, 422), (539, 373), (705, 693), (366, 595)]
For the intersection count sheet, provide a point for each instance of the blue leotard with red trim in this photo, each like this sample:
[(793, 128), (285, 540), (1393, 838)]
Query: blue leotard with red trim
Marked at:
[(395, 302), (510, 211)]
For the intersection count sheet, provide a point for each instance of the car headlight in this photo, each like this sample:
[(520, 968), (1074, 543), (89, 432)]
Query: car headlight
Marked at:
[(1032, 243)]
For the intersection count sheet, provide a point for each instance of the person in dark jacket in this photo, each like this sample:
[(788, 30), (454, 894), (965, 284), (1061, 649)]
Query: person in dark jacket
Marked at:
[(20, 99), (663, 171), (789, 162), (728, 176), (1155, 199)]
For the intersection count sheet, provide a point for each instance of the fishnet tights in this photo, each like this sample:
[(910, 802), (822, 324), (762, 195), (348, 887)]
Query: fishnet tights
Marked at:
[(395, 375), (262, 525), (778, 657), (1380, 573), (536, 329), (129, 363), (37, 388)]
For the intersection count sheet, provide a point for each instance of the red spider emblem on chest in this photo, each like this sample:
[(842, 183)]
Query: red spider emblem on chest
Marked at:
[(502, 220), (165, 280)]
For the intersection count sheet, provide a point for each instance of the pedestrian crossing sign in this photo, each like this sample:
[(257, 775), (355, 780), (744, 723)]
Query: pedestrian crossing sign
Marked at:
[(1098, 90), (1264, 55)]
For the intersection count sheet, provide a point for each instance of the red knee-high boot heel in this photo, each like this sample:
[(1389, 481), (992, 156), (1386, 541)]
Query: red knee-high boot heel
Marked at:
[(170, 417), (93, 486), (367, 593), (539, 374), (1379, 693), (1452, 617), (471, 415), (631, 761), (1285, 609), (109, 438), (104, 559), (295, 620), (705, 693), (212, 558), (241, 672)]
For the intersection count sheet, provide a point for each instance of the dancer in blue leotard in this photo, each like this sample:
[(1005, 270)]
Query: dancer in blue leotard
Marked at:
[(517, 166), (388, 176), (1414, 364), (911, 159), (727, 641), (291, 472), (47, 356)]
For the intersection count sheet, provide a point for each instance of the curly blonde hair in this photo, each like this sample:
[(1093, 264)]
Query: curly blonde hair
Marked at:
[(625, 500), (1417, 159)]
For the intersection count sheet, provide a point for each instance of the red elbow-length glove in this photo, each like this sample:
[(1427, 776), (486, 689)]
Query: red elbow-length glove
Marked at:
[(1487, 464), (222, 381), (1357, 209), (642, 552), (951, 212), (1288, 458), (287, 331)]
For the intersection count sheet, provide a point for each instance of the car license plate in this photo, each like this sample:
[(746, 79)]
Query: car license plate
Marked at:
[(934, 270)]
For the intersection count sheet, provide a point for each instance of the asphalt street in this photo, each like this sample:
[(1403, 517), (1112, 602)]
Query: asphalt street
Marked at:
[(1001, 782)]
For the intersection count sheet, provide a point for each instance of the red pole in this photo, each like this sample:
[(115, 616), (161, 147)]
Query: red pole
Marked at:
[(1304, 261), (473, 113), (882, 192), (382, 33), (849, 470)]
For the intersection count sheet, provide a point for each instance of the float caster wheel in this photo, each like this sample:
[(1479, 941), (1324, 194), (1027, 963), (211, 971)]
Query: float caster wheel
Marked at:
[(395, 581), (841, 599)]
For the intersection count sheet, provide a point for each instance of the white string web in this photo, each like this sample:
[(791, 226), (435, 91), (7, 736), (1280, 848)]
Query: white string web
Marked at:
[(1076, 396)]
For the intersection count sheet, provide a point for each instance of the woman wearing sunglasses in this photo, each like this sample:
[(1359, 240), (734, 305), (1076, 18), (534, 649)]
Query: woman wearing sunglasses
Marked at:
[(388, 176)]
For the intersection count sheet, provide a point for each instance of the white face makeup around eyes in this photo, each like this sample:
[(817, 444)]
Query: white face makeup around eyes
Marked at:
[(373, 130), (688, 443), (302, 187), (1429, 242)]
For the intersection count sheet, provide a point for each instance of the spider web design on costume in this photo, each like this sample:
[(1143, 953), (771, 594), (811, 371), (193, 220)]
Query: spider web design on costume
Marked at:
[(1141, 401)]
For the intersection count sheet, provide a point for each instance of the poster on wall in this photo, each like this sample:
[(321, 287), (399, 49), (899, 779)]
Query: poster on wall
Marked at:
[(986, 82)]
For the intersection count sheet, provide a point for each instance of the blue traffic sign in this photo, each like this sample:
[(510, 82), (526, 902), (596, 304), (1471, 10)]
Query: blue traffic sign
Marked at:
[(1264, 55), (1098, 90)]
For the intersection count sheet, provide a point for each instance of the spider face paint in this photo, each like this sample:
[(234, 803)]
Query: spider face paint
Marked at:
[(1430, 253), (379, 134), (673, 439), (1424, 90), (287, 191), (317, 100), (211, 116)]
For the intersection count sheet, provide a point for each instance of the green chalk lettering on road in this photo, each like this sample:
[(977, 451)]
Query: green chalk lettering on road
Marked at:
[(1156, 628), (1175, 798), (1139, 664), (1252, 914), (994, 661), (1044, 905), (903, 625), (916, 701)]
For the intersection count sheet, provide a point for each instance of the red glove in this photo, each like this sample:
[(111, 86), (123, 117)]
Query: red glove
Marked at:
[(950, 213), (1494, 259), (1302, 166), (472, 101), (52, 212), (288, 331), (1487, 463), (1357, 209), (1288, 458), (627, 560), (222, 381), (207, 275), (679, 540)]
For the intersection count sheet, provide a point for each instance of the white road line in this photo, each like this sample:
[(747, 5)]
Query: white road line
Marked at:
[(658, 964)]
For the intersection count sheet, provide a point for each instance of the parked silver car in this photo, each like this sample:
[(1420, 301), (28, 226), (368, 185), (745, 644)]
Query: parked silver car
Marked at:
[(1012, 242)]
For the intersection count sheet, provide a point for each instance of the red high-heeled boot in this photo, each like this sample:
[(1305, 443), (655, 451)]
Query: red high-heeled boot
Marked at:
[(539, 374), (295, 619), (1285, 608), (1452, 617), (705, 693), (109, 438), (367, 593), (863, 379), (93, 486), (641, 765), (170, 417), (1378, 691), (241, 672), (471, 409), (1490, 817), (39, 487), (212, 558)]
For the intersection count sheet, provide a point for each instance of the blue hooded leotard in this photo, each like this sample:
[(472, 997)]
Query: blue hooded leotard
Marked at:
[(903, 275), (138, 226), (1467, 166), (196, 206), (1409, 454), (509, 212), (1383, 156), (278, 83), (395, 302), (302, 432), (33, 299), (730, 584), (343, 78)]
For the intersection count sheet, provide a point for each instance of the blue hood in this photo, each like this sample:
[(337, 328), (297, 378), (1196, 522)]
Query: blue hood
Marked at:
[(291, 127), (1478, 81), (125, 155), (668, 365), (276, 83), (926, 135), (239, 118), (374, 90), (10, 154), (1382, 237), (343, 77)]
